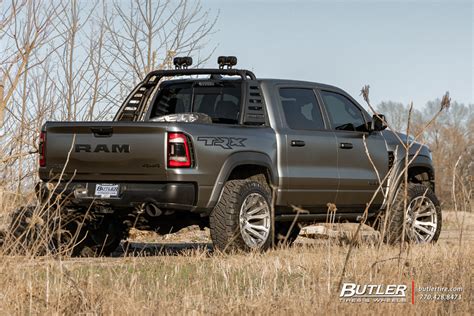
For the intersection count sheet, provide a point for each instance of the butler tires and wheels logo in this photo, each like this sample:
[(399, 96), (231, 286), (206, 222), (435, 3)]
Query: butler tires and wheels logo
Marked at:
[(367, 293), (398, 293)]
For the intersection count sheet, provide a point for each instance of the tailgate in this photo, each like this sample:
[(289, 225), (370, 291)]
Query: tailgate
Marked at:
[(105, 150)]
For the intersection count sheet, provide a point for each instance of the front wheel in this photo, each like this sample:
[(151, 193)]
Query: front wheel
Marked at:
[(421, 220), (242, 218)]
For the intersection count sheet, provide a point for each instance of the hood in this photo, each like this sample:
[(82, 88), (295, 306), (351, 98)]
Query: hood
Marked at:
[(393, 142)]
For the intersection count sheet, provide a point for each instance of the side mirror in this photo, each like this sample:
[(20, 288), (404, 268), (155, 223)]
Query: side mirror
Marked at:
[(379, 122)]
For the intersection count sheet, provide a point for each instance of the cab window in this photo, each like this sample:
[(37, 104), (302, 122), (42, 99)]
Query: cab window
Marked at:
[(343, 114), (301, 109), (220, 101)]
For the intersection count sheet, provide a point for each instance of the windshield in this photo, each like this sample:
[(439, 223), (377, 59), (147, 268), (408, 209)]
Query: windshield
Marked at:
[(219, 100)]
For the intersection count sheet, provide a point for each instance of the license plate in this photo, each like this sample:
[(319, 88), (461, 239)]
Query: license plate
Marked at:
[(106, 190)]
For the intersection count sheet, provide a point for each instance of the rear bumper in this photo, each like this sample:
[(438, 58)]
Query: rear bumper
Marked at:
[(176, 196)]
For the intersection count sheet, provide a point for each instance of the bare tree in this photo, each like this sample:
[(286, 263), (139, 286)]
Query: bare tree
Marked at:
[(397, 115), (75, 60), (146, 34), (24, 28), (450, 137)]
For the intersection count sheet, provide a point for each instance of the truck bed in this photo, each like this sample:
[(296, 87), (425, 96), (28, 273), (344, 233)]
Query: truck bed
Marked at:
[(135, 153)]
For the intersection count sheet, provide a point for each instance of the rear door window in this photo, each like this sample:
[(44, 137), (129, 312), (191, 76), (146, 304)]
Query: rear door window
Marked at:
[(301, 109)]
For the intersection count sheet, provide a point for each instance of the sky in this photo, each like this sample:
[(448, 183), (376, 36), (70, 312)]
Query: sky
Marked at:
[(405, 50)]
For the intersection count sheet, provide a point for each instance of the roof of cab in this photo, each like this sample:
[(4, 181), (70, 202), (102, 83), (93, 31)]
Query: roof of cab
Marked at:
[(299, 83), (265, 81)]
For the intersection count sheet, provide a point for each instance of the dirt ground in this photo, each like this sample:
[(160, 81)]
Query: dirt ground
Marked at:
[(181, 274), (195, 238)]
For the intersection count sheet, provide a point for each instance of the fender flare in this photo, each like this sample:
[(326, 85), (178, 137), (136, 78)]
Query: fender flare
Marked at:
[(239, 159), (420, 161)]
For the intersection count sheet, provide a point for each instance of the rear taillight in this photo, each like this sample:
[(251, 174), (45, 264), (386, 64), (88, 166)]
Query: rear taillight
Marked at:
[(42, 149), (179, 155)]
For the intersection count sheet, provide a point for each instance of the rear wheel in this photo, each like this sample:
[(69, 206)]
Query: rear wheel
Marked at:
[(242, 218), (26, 231), (64, 231)]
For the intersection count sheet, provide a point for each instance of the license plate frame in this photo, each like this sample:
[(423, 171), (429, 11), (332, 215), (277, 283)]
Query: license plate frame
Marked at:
[(107, 190)]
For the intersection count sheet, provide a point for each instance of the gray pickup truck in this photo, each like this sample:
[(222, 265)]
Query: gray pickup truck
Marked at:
[(220, 148)]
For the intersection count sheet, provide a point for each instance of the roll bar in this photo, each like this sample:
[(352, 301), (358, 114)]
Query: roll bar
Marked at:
[(135, 104), (158, 74)]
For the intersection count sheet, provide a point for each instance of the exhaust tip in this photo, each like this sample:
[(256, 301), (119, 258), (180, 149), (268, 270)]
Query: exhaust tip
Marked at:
[(153, 210)]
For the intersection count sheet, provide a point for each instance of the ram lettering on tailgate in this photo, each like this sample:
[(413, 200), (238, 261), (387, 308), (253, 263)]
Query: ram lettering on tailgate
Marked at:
[(102, 148)]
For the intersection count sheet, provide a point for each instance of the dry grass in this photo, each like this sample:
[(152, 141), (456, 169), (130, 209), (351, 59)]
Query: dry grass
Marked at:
[(299, 280)]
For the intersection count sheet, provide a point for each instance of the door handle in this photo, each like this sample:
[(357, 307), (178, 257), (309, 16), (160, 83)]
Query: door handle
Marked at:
[(102, 131), (345, 145), (297, 143)]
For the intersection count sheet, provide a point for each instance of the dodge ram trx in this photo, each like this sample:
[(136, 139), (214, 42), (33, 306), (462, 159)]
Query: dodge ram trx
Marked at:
[(222, 149)]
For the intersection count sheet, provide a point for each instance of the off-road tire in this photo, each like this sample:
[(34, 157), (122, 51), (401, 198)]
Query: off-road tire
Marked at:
[(25, 231), (282, 236), (393, 232), (224, 218), (68, 234)]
